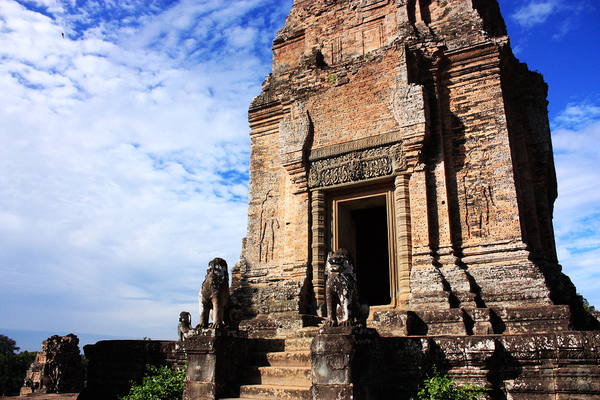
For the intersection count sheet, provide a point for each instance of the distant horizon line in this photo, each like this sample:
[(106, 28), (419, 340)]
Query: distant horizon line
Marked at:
[(31, 340)]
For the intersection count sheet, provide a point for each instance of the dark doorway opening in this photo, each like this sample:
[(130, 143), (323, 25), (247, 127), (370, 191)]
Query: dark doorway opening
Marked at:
[(372, 256), (362, 226)]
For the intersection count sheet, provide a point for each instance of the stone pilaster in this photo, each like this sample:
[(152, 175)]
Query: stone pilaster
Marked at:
[(346, 364), (319, 247), (215, 360), (403, 238)]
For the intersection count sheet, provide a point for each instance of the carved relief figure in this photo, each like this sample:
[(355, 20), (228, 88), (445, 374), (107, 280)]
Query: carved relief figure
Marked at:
[(479, 204), (341, 294), (214, 294), (184, 329), (269, 226)]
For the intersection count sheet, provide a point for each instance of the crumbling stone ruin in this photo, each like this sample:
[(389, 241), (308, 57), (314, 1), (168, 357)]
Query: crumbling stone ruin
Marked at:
[(407, 133), (57, 368)]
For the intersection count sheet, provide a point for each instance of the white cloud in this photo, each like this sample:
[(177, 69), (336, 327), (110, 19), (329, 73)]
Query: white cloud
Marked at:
[(577, 115), (124, 159), (577, 210), (536, 12), (125, 148)]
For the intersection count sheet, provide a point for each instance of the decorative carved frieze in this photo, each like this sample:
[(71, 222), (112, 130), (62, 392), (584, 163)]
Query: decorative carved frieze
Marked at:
[(356, 166)]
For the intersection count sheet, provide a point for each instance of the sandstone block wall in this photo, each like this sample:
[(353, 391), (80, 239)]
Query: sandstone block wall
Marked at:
[(114, 364), (530, 366), (419, 107)]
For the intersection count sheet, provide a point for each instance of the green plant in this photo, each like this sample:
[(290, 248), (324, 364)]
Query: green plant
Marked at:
[(159, 383), (586, 304), (7, 346), (13, 366), (442, 387), (332, 79)]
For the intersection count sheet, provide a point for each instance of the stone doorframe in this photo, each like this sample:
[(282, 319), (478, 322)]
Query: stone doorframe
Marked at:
[(340, 201), (363, 165)]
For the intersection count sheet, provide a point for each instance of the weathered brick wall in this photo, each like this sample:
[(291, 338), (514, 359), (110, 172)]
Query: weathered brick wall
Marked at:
[(543, 366), (426, 101)]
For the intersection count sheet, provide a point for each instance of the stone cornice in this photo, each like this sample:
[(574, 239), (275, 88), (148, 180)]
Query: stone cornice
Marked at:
[(355, 145)]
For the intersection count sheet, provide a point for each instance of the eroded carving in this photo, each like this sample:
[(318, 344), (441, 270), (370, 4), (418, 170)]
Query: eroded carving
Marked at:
[(479, 206), (363, 5), (269, 226), (357, 166), (214, 294), (343, 308), (184, 328), (294, 131), (409, 105)]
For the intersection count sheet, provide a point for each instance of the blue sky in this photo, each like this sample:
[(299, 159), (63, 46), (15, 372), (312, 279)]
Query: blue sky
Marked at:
[(125, 148)]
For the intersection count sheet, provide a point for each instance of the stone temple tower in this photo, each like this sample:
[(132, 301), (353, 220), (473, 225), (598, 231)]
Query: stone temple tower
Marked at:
[(408, 133)]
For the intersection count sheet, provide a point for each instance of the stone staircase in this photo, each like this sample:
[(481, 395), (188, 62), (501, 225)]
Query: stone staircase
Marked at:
[(279, 368)]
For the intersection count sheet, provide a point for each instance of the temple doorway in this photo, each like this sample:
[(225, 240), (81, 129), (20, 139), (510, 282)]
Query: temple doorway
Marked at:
[(362, 225)]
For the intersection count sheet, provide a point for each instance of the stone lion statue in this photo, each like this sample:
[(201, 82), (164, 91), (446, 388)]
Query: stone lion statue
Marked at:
[(343, 308), (184, 329), (214, 295)]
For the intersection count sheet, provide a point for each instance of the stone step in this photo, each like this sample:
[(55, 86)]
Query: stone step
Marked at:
[(269, 345), (279, 376), (300, 358), (283, 344), (240, 398), (298, 344), (275, 392)]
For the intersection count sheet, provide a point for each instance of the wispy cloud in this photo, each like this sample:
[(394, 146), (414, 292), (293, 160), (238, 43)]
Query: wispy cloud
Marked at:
[(576, 135), (577, 115), (124, 162), (563, 16), (536, 12), (124, 158)]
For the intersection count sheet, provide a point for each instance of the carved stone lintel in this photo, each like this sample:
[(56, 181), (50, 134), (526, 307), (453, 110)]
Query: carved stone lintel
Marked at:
[(357, 166), (370, 142)]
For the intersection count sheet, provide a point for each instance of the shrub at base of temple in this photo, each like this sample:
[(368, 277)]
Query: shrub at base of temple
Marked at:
[(442, 387), (159, 383)]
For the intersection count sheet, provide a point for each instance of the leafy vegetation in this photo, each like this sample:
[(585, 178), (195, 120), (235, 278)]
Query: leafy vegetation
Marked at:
[(586, 304), (442, 387), (160, 383), (13, 366), (7, 346)]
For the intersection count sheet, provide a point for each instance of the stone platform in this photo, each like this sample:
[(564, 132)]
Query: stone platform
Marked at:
[(352, 363)]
